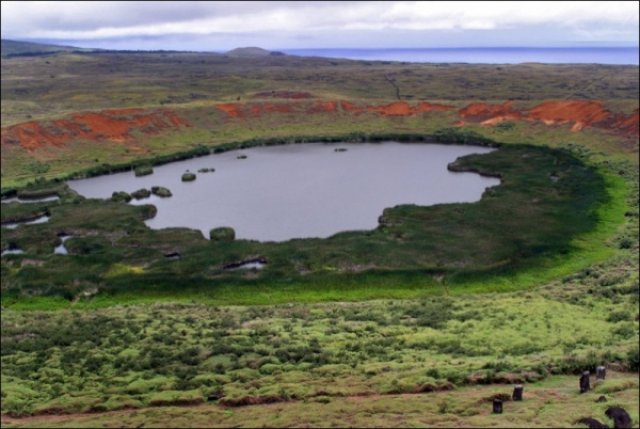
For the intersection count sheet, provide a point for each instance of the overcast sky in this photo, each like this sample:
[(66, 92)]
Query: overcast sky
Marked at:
[(218, 26)]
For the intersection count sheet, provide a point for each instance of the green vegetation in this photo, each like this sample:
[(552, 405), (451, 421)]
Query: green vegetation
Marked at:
[(141, 193), (188, 177), (13, 48), (250, 52), (161, 191), (143, 170), (133, 356), (521, 232), (224, 233), (121, 196), (536, 280), (551, 403)]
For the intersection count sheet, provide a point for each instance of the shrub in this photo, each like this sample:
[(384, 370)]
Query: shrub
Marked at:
[(188, 177), (141, 193), (224, 233), (619, 316), (633, 359), (121, 196), (625, 331), (160, 191), (143, 170)]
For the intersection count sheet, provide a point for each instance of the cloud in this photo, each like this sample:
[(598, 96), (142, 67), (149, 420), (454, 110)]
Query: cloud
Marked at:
[(76, 20)]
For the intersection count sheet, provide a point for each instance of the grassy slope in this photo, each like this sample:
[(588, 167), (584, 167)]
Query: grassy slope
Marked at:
[(10, 48), (551, 403), (35, 88), (76, 361)]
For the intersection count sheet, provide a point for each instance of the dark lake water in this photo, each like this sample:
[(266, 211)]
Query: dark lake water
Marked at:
[(299, 190)]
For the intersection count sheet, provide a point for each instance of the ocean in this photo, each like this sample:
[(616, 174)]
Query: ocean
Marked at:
[(482, 55)]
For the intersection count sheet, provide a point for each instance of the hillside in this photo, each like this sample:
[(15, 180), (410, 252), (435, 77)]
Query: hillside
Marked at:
[(14, 48), (250, 52)]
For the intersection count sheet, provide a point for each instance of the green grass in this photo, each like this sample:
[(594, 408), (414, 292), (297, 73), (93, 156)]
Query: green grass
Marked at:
[(551, 403), (141, 355), (526, 231)]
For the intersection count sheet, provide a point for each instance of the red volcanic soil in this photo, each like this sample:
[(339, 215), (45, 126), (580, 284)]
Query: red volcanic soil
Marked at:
[(231, 109), (489, 114), (123, 125), (323, 107), (577, 113), (402, 108), (423, 106), (294, 95), (629, 124), (580, 113), (399, 108), (115, 125), (350, 107)]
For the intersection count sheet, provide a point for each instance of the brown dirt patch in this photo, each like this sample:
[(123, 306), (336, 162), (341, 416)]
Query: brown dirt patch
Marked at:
[(347, 106), (402, 108), (231, 109), (108, 125), (277, 108), (628, 124), (423, 106), (489, 114), (398, 108), (323, 107), (581, 113), (577, 113)]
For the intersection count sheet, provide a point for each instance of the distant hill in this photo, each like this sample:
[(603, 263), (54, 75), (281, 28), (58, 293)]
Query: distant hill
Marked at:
[(251, 52), (14, 48)]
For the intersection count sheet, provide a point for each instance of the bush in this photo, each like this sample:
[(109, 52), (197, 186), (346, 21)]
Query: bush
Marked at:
[(188, 177), (143, 170), (160, 191), (625, 331), (633, 359), (224, 233), (619, 316), (120, 196), (141, 193)]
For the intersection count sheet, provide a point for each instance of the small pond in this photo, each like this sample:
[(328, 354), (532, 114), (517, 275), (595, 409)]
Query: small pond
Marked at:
[(14, 225), (12, 252), (30, 200), (278, 193), (60, 249)]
